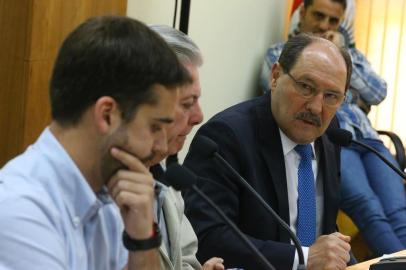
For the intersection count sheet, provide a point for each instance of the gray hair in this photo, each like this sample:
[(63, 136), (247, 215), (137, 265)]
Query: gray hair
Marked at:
[(182, 45)]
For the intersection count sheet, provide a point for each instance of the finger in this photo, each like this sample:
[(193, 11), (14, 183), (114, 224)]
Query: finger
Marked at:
[(342, 244), (334, 261), (213, 263), (340, 265), (137, 202), (343, 237), (130, 161), (129, 186), (337, 249), (137, 213), (341, 249), (215, 260), (344, 256), (219, 266), (136, 177), (342, 241)]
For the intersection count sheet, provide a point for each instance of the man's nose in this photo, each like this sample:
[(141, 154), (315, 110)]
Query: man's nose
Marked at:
[(324, 25), (197, 115), (315, 105), (161, 143)]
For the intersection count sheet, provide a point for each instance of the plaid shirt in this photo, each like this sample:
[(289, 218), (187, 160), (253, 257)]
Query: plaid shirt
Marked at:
[(365, 84)]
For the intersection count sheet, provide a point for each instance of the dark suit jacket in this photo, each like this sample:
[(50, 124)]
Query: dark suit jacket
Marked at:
[(248, 138)]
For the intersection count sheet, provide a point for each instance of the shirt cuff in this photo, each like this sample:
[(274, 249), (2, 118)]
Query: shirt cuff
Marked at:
[(305, 255)]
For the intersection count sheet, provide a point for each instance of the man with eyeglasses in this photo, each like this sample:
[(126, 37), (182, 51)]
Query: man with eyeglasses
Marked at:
[(377, 207), (277, 143), (330, 98)]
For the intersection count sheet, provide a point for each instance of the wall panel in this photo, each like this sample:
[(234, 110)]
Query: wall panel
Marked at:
[(31, 32)]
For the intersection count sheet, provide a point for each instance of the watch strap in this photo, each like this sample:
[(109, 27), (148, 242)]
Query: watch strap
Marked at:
[(132, 244)]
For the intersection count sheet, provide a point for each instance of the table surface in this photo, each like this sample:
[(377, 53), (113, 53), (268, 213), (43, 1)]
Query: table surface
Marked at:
[(365, 265)]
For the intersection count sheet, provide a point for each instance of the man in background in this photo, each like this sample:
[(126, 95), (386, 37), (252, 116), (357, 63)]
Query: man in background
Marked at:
[(179, 246), (270, 141), (82, 190), (377, 207)]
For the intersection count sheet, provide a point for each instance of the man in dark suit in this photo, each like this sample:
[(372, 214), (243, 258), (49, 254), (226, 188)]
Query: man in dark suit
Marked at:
[(261, 139)]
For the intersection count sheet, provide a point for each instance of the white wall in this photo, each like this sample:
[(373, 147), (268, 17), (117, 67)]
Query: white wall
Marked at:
[(233, 36)]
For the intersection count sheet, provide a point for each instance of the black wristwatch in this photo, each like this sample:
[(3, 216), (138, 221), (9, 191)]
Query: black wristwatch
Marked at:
[(137, 245)]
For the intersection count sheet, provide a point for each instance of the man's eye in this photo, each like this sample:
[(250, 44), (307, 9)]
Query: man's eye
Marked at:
[(187, 105), (331, 96), (305, 88), (319, 16), (156, 127), (334, 21)]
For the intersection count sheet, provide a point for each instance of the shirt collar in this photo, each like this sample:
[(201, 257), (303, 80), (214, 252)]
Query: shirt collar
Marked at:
[(288, 145), (78, 196)]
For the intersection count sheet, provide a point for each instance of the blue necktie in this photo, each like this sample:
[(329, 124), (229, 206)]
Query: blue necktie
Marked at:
[(306, 205)]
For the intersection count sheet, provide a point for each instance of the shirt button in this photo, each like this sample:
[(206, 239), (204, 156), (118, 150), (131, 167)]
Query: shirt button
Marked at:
[(76, 221)]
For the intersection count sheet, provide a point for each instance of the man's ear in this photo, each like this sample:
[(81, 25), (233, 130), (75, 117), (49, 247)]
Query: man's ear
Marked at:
[(275, 73), (107, 114)]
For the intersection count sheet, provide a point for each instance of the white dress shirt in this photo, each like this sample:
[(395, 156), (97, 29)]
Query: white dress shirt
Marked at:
[(292, 160)]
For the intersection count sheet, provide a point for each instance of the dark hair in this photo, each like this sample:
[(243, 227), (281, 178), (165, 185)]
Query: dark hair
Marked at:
[(294, 47), (310, 2), (111, 56)]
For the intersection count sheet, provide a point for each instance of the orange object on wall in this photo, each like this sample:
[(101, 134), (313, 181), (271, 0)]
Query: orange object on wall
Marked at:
[(296, 3)]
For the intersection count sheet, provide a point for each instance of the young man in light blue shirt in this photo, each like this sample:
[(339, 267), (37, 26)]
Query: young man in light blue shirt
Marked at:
[(81, 197)]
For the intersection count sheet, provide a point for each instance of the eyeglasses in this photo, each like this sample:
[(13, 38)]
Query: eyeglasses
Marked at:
[(332, 99)]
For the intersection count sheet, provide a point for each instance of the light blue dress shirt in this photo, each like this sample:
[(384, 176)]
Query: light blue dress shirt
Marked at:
[(51, 219)]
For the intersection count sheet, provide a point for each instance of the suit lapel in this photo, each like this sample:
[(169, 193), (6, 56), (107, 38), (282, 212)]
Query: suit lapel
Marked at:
[(331, 184), (271, 150)]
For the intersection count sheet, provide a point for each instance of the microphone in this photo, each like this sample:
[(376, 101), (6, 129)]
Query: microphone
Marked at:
[(343, 137), (181, 178), (209, 148)]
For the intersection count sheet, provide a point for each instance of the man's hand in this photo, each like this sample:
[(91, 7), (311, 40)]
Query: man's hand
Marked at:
[(329, 252), (133, 191), (336, 37), (213, 264)]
